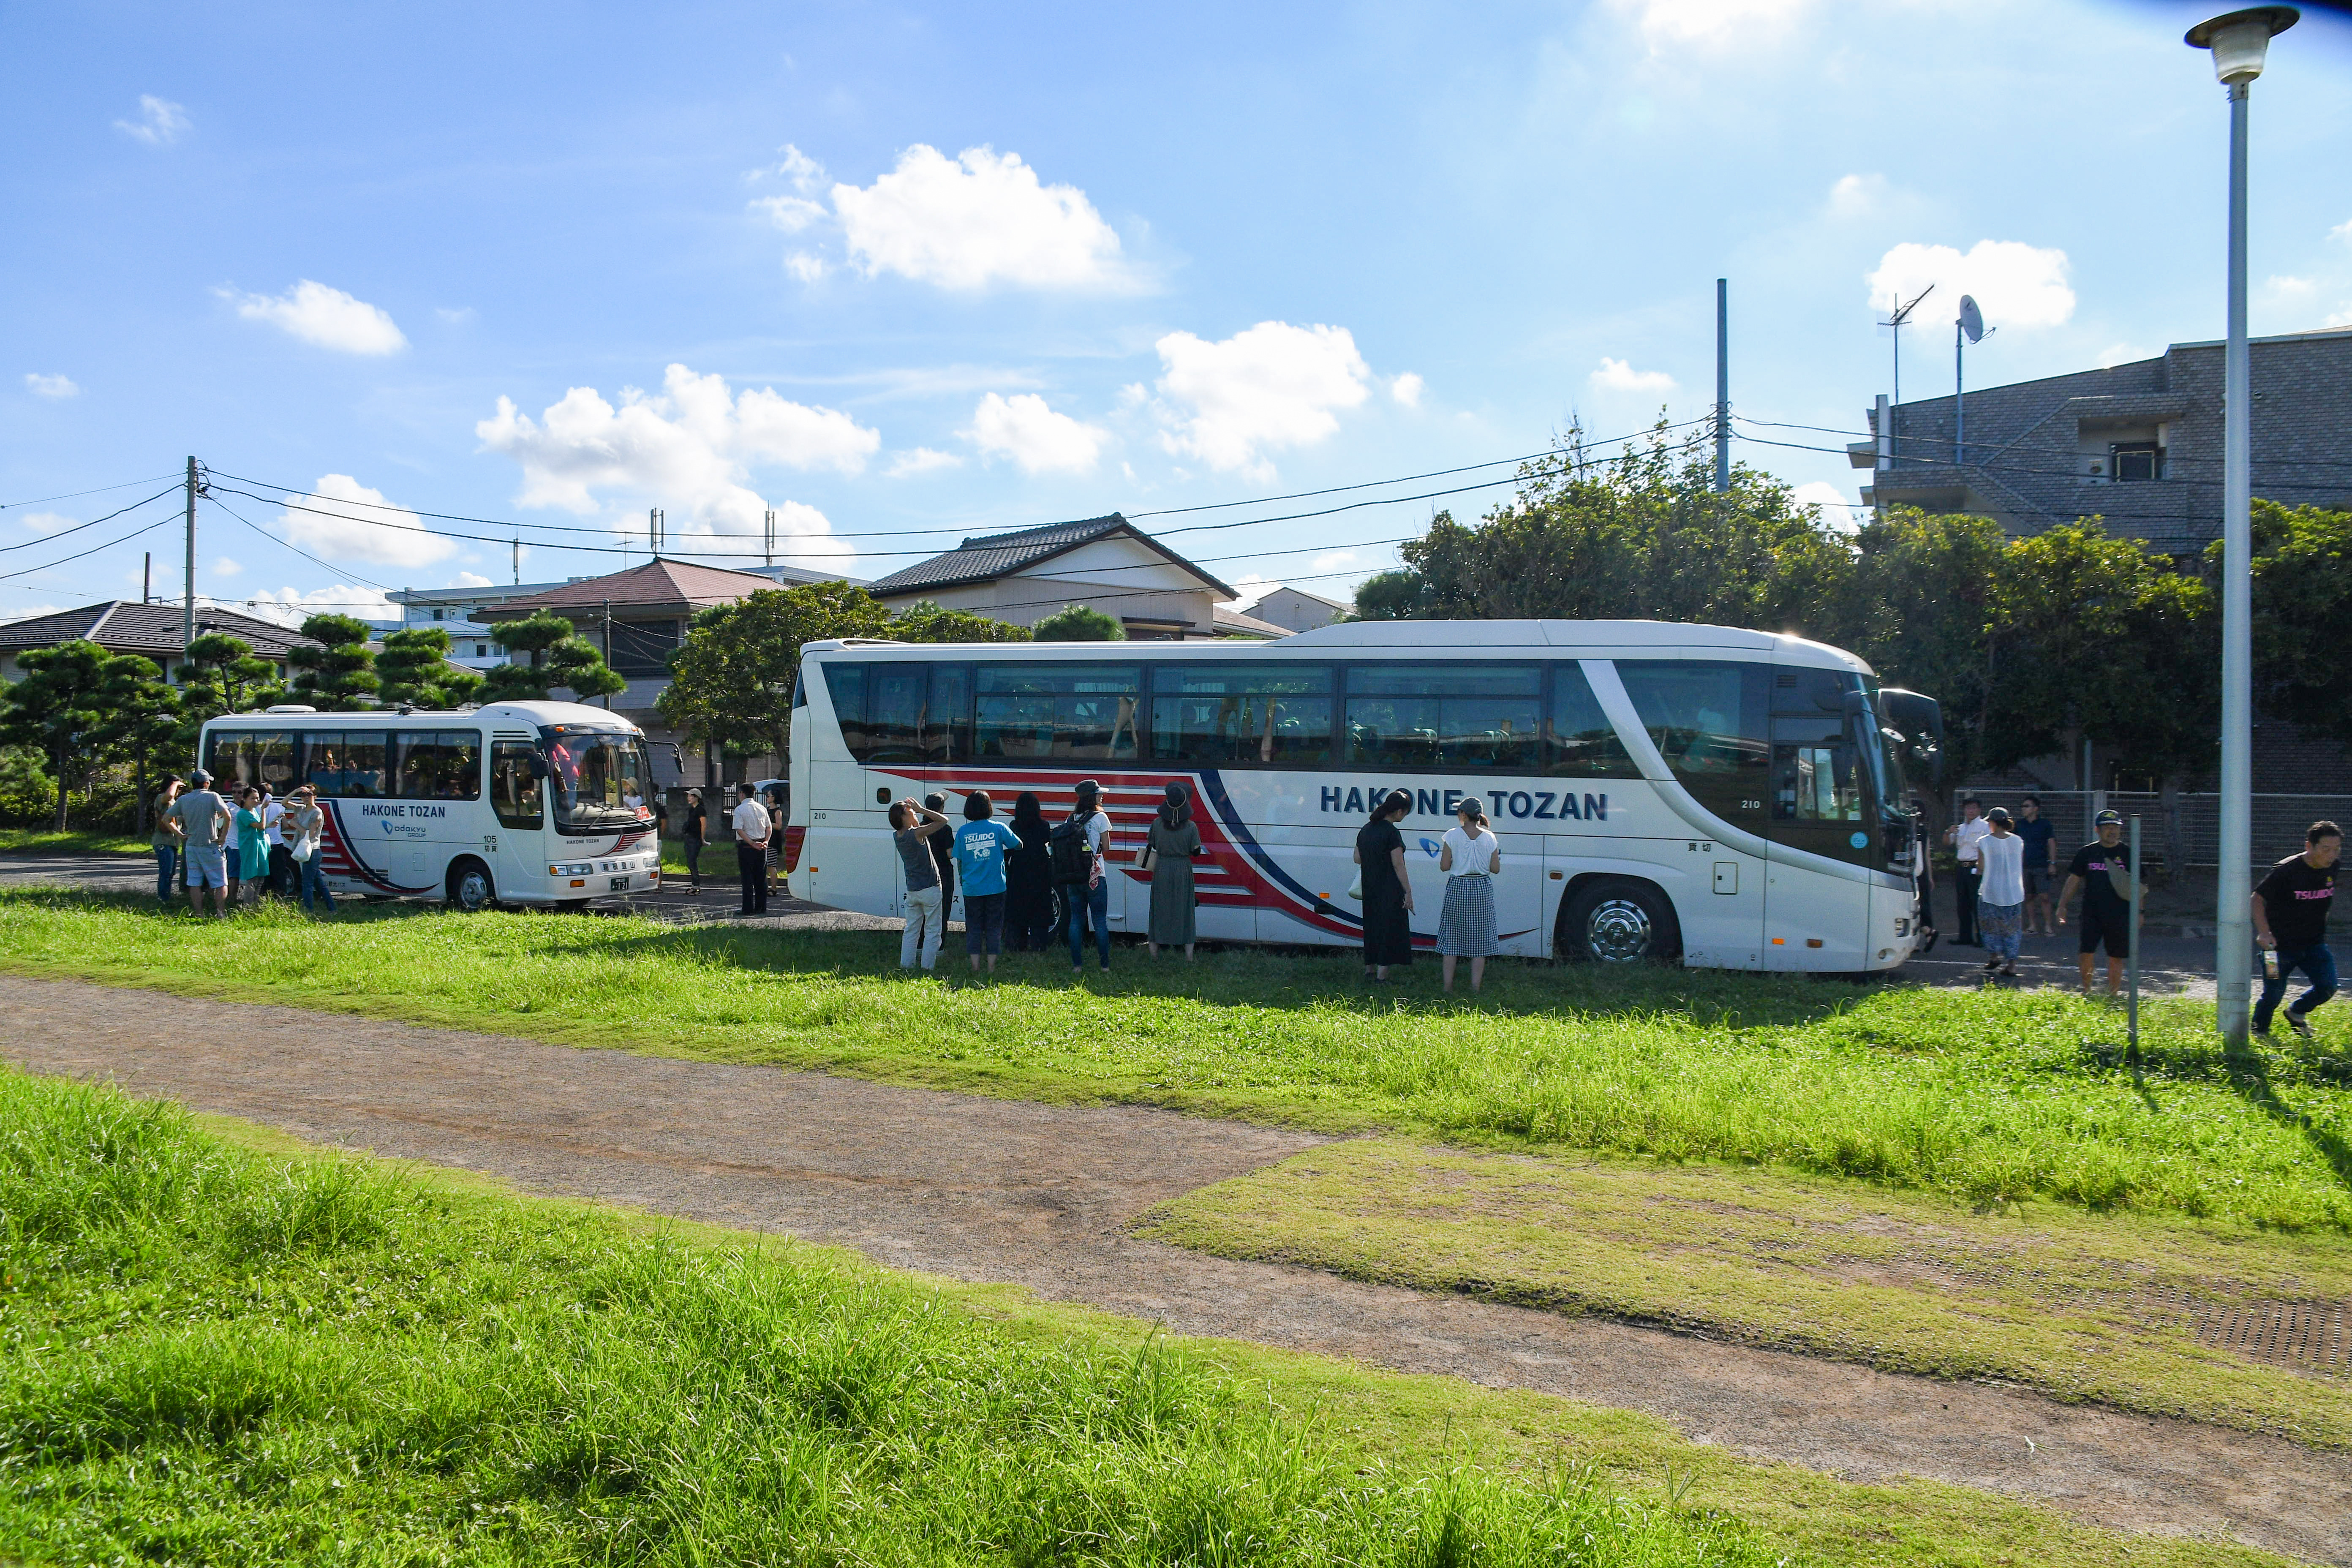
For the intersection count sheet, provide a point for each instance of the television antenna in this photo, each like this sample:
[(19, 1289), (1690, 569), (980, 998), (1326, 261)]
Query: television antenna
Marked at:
[(1967, 327), (1901, 315)]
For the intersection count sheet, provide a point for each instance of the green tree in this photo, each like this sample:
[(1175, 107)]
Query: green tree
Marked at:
[(139, 722), (1078, 623), (2096, 637), (927, 621), (415, 670), (559, 661), (2301, 603), (219, 674), (339, 673), (27, 794), (56, 709), (732, 678), (1643, 534)]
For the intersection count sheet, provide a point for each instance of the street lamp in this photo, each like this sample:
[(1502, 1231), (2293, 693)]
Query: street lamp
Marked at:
[(2239, 40)]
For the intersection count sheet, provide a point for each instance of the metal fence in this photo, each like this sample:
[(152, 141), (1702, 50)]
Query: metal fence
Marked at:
[(2279, 820)]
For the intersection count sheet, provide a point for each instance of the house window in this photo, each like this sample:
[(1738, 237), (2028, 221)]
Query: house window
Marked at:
[(481, 650), (2133, 460), (437, 615)]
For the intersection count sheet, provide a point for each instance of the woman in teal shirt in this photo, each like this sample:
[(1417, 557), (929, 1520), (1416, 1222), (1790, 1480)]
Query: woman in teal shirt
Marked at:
[(252, 847), (981, 845)]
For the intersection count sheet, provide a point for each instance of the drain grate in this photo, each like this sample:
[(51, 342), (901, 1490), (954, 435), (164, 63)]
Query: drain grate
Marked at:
[(2313, 1334)]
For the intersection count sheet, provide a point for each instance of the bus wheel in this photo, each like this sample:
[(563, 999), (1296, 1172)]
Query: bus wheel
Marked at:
[(1616, 921), (471, 888)]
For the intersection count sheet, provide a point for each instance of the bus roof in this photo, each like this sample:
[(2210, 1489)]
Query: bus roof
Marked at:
[(1589, 639), (534, 714)]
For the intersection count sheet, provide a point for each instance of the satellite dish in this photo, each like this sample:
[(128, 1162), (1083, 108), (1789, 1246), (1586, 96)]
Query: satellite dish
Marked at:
[(1971, 318)]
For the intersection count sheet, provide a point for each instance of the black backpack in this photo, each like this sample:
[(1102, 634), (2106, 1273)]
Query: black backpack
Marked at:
[(1066, 851)]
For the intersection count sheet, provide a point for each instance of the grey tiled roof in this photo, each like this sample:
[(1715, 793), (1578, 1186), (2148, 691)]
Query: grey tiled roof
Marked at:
[(984, 558), (151, 629)]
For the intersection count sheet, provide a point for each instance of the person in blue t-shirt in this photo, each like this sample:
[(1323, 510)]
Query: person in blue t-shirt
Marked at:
[(2039, 835), (981, 845)]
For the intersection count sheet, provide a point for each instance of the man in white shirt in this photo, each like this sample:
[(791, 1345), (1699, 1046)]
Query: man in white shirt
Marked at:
[(1964, 836), (752, 826), (2000, 897)]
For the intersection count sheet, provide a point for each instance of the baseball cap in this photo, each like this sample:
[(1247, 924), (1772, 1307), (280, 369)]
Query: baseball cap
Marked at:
[(2105, 817), (1997, 813), (200, 778), (1090, 790)]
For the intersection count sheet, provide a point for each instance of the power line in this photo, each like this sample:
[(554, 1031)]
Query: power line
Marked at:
[(339, 571), (93, 522), (2171, 459), (145, 528), (73, 495), (1918, 468)]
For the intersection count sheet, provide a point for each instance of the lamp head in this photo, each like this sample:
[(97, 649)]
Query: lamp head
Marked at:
[(2239, 40)]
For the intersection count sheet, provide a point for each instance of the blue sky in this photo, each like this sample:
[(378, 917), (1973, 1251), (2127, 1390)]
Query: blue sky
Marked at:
[(902, 273)]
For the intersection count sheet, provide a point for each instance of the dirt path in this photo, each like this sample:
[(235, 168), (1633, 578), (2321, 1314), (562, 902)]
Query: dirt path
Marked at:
[(1037, 1195)]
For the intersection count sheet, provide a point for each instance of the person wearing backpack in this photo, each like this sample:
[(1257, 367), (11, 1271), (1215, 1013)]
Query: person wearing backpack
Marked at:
[(1075, 850)]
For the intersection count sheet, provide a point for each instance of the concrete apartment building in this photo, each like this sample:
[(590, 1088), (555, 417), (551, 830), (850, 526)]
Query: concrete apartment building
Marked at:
[(2138, 443)]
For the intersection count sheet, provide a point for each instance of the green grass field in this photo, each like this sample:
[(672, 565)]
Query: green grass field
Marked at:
[(1982, 1098), (2099, 1308), (39, 841), (226, 1349)]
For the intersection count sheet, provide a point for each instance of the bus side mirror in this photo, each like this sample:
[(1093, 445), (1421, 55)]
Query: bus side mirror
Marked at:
[(538, 767)]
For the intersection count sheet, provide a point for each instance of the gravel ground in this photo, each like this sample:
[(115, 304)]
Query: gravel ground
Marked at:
[(1038, 1196)]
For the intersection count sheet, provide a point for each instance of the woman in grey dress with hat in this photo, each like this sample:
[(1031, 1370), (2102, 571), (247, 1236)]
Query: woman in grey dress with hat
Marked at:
[(1172, 842)]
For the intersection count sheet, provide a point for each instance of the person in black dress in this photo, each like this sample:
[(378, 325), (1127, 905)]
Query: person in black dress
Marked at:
[(1387, 896), (697, 823), (943, 856), (1029, 911)]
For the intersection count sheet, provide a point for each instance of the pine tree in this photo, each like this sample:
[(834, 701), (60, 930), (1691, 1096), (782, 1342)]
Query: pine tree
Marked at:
[(57, 709), (218, 674), (141, 718), (340, 673), (415, 670), (559, 660)]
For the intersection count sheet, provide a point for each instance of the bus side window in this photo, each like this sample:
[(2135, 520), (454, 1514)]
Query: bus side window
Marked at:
[(1445, 715), (1057, 712), (897, 696), (1707, 720), (1219, 712), (515, 792), (845, 684), (1580, 742), (438, 764), (947, 721)]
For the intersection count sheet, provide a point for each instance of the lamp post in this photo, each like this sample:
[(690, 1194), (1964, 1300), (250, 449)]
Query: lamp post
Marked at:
[(2239, 40)]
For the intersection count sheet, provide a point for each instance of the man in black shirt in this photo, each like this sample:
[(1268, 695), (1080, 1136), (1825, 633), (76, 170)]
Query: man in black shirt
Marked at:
[(2106, 913), (2290, 913)]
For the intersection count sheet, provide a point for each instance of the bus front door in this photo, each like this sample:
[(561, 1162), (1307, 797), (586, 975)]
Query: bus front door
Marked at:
[(1814, 919)]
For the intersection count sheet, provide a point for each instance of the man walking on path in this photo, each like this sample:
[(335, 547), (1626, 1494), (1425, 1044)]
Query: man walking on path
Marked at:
[(1964, 835), (2000, 900), (202, 819), (2038, 836), (2106, 913), (2290, 912), (752, 829)]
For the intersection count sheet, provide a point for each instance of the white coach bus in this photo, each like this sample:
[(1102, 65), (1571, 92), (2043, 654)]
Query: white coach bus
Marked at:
[(1722, 798), (517, 802)]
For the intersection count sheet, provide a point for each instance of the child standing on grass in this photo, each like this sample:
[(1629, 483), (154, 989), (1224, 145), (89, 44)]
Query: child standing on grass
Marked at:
[(982, 847), (2001, 892)]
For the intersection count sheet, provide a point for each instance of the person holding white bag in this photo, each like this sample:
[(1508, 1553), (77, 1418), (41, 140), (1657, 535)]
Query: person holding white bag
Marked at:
[(303, 826)]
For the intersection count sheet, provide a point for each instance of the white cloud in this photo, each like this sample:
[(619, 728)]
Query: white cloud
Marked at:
[(2342, 231), (2342, 317), (47, 522), (1406, 389), (1618, 376), (1828, 496), (225, 567), (2122, 353), (41, 386), (2015, 284), (1023, 428), (33, 612), (1335, 561), (1856, 194), (920, 461), (160, 123), (979, 218), (292, 607), (469, 580), (327, 318), (805, 173), (457, 316), (791, 214), (805, 266), (2284, 288), (692, 447), (1268, 387), (345, 519), (1667, 22)]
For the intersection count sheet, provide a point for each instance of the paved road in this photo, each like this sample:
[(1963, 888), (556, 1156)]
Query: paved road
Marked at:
[(1041, 1196)]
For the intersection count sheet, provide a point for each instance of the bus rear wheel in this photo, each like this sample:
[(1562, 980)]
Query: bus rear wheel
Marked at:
[(471, 888), (1619, 922)]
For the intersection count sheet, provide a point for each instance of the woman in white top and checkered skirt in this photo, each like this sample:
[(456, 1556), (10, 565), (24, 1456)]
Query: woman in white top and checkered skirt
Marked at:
[(1470, 855)]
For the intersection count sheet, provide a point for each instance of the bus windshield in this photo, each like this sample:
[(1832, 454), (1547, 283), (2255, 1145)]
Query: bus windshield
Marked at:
[(598, 779)]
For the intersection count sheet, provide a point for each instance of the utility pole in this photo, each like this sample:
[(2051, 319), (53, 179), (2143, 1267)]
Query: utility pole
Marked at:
[(654, 530), (147, 578), (188, 584), (1722, 385), (771, 536), (518, 560)]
